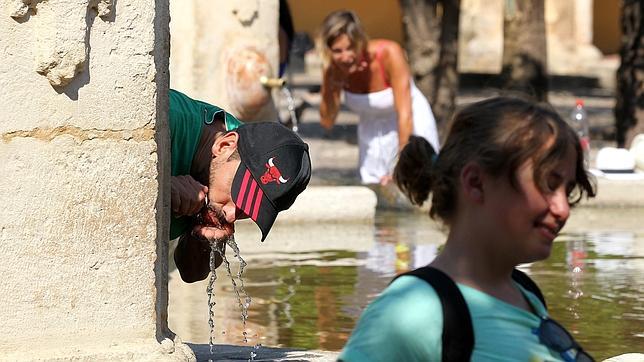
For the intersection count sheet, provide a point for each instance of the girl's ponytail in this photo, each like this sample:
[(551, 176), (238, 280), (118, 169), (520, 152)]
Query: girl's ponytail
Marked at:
[(412, 173)]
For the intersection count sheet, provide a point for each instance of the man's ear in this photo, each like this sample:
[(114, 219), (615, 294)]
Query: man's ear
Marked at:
[(471, 178), (225, 144)]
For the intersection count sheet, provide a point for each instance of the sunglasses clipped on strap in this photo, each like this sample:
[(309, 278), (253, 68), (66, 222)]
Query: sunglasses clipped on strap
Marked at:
[(554, 336)]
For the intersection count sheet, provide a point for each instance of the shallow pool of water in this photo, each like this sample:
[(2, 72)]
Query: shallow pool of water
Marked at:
[(312, 299)]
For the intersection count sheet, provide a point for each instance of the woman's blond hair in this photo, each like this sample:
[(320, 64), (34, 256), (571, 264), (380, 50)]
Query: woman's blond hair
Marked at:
[(337, 23)]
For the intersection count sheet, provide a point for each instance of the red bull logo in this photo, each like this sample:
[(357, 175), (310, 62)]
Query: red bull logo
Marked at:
[(272, 173)]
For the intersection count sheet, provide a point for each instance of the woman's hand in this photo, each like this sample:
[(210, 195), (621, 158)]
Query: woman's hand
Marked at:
[(187, 195), (326, 123), (385, 180)]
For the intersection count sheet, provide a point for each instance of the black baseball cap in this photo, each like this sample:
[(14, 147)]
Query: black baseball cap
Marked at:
[(275, 168)]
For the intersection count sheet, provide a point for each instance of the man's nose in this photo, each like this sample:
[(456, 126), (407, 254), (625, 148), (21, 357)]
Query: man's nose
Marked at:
[(230, 212)]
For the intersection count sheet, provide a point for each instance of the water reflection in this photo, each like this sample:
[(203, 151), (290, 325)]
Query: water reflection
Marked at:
[(311, 297), (389, 259), (594, 287)]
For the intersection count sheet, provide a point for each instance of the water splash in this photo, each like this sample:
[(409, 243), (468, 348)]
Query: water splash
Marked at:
[(290, 105), (239, 290), (219, 248), (252, 353), (575, 257)]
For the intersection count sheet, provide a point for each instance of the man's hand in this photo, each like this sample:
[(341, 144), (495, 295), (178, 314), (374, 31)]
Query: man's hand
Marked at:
[(219, 232), (187, 195)]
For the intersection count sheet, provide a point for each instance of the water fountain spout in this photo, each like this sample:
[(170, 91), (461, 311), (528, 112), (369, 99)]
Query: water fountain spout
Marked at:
[(272, 82), (290, 103)]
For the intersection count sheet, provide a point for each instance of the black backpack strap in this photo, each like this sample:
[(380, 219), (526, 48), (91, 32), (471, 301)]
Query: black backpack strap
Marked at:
[(458, 333), (524, 280)]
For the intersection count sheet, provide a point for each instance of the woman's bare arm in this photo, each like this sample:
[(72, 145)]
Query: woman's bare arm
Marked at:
[(397, 69), (330, 104)]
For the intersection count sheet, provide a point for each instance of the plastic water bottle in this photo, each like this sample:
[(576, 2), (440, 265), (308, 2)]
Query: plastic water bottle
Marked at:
[(579, 122)]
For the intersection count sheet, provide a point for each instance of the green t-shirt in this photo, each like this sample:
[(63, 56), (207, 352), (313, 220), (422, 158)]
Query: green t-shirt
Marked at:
[(186, 119), (405, 323)]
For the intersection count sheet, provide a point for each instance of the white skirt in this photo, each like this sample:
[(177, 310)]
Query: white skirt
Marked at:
[(378, 129)]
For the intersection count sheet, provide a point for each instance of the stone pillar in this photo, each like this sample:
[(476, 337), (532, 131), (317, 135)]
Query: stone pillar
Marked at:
[(569, 36), (569, 25), (221, 48), (84, 150), (481, 36)]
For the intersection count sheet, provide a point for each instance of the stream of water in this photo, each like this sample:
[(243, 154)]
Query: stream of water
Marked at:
[(211, 299), (290, 105), (217, 248)]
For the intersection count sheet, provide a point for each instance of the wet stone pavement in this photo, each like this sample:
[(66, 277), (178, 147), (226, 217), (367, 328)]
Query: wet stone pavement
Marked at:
[(229, 353)]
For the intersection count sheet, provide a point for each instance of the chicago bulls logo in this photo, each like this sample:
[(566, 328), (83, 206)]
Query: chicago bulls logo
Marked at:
[(272, 173)]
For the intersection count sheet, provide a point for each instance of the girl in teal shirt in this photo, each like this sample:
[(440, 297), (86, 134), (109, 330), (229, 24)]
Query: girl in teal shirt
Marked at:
[(503, 184)]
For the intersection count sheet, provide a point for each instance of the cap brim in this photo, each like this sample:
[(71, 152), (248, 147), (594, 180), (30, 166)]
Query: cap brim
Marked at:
[(249, 197)]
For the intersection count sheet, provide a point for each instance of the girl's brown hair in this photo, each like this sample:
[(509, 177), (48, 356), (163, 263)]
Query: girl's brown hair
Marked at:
[(500, 134), (337, 23)]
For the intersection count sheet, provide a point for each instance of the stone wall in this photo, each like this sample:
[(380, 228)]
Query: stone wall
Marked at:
[(84, 144)]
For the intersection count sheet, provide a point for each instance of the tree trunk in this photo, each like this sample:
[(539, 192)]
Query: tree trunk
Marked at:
[(430, 30), (629, 108), (524, 68)]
